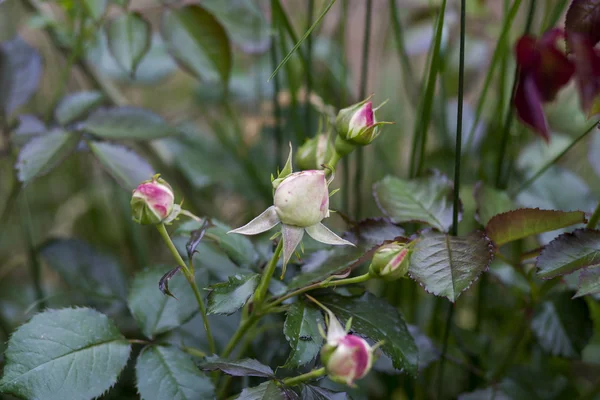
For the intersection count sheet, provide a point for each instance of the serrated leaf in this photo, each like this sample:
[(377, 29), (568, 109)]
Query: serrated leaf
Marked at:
[(198, 42), (447, 265), (245, 367), (43, 153), (125, 165), (228, 297), (427, 200), (301, 330), (385, 324), (490, 202), (165, 372), (20, 72), (589, 281), (83, 267), (265, 391), (64, 354), (76, 105), (562, 326), (569, 252), (127, 123), (583, 17), (311, 392), (524, 222), (129, 38), (155, 312)]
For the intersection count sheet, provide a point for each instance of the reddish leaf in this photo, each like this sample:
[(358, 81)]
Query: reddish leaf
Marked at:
[(587, 72), (583, 17)]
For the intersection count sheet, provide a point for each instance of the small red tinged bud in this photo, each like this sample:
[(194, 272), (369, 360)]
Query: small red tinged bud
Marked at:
[(350, 360), (391, 261), (152, 202), (356, 126)]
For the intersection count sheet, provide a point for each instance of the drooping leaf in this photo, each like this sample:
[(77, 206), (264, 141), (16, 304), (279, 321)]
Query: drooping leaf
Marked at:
[(126, 166), (127, 123), (76, 105), (386, 323), (20, 72), (311, 392), (165, 372), (64, 354), (589, 281), (265, 391), (524, 222), (163, 283), (129, 38), (447, 265), (228, 297), (196, 236), (245, 367), (43, 153), (427, 200), (301, 330), (83, 267), (198, 42), (583, 17), (155, 312), (490, 202), (562, 325), (569, 252), (29, 127)]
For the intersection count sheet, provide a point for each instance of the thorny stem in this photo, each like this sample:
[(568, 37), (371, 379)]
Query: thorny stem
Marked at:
[(261, 290), (296, 380), (191, 280)]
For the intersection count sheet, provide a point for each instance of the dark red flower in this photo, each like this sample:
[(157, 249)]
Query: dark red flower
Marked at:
[(543, 70), (587, 72)]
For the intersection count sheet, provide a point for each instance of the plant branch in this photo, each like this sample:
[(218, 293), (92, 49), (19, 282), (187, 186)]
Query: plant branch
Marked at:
[(296, 380), (263, 286)]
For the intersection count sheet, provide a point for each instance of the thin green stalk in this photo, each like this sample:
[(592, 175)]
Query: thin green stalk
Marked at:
[(296, 380), (239, 334), (552, 18), (594, 218), (440, 375), (192, 281), (261, 290), (364, 73), (34, 261), (308, 71)]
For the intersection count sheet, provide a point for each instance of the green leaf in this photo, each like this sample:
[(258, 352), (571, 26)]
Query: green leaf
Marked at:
[(311, 392), (524, 222), (155, 312), (198, 42), (129, 39), (245, 367), (376, 319), (95, 8), (126, 166), (127, 123), (490, 202), (447, 265), (64, 354), (301, 330), (43, 153), (427, 200), (562, 326), (569, 252), (29, 127), (75, 106), (165, 372), (265, 391), (83, 267), (589, 281), (228, 297)]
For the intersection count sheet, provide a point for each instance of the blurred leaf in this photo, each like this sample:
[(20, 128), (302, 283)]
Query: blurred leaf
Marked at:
[(311, 392), (64, 354), (129, 39), (490, 202), (127, 123), (569, 252), (198, 42), (43, 153), (427, 350), (427, 200), (524, 222), (20, 72), (447, 265), (95, 8), (196, 236), (589, 281), (385, 324), (123, 164), (76, 105), (583, 17), (155, 312), (83, 267), (523, 383), (593, 152), (490, 393), (374, 231), (562, 326), (29, 127), (245, 367), (165, 372), (301, 330), (265, 391), (228, 297), (163, 283)]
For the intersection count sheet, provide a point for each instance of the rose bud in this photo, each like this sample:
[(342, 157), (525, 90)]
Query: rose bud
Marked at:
[(152, 202), (315, 152), (349, 360), (390, 261)]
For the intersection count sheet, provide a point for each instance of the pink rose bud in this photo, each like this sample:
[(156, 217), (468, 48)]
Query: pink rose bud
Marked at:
[(350, 360), (302, 198), (315, 152), (152, 202), (356, 126), (391, 261)]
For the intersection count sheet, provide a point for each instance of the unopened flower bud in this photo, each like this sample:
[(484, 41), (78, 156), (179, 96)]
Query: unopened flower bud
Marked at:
[(349, 360), (314, 152), (152, 202), (302, 199), (357, 125), (390, 261)]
